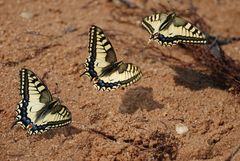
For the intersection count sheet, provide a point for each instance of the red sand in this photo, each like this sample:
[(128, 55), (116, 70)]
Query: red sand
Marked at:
[(137, 123)]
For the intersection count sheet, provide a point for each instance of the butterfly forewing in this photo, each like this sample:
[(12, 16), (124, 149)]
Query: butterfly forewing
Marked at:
[(35, 108), (154, 22), (30, 90), (101, 53), (102, 65)]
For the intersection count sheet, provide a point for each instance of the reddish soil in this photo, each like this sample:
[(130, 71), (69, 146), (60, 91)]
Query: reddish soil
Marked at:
[(136, 123)]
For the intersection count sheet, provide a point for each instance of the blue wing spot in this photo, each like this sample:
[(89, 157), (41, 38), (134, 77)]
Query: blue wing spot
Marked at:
[(34, 128), (162, 37), (40, 127), (23, 113), (26, 121), (91, 63), (101, 84), (91, 70), (25, 104)]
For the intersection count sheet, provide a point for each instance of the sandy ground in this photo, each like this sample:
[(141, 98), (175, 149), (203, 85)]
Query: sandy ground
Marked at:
[(136, 123)]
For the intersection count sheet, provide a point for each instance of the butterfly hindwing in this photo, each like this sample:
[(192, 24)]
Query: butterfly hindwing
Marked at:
[(168, 29), (124, 75), (102, 66), (35, 110)]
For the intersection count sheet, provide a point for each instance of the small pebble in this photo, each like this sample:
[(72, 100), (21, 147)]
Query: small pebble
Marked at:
[(181, 129), (26, 15)]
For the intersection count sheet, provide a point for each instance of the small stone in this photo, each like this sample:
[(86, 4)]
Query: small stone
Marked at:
[(26, 14), (181, 129)]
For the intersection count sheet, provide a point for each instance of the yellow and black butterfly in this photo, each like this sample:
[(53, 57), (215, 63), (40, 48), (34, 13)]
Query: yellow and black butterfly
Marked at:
[(37, 111), (168, 29), (102, 66)]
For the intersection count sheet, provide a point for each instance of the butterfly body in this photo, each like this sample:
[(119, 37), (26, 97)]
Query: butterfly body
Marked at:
[(102, 65), (37, 111), (168, 29), (108, 70)]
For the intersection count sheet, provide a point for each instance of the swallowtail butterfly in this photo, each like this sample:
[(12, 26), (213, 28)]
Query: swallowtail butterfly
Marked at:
[(102, 65), (37, 111), (168, 29)]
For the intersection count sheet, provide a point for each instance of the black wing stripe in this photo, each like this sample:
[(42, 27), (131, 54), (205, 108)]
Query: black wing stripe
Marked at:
[(25, 83)]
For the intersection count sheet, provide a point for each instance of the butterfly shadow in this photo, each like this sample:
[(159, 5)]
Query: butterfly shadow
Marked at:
[(196, 80), (138, 98), (67, 131)]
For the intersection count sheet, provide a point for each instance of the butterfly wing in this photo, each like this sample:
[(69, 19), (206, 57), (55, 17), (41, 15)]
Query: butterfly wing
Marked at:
[(123, 75), (170, 29), (152, 23), (55, 115), (35, 98), (101, 53), (102, 65)]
